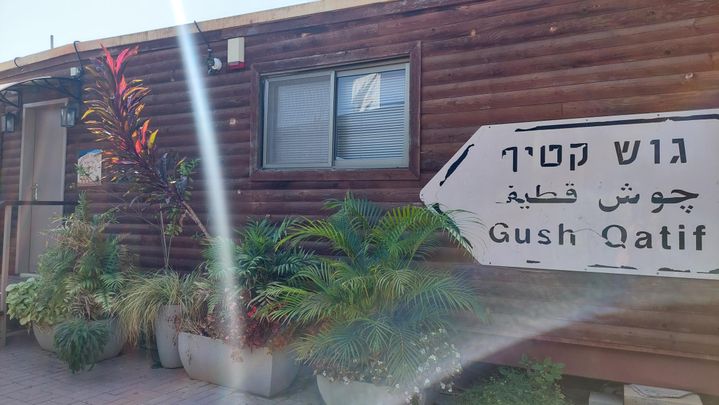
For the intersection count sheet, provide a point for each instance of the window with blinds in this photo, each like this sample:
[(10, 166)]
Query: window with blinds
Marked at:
[(350, 118)]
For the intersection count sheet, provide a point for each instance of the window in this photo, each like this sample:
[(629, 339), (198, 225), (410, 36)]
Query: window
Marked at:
[(342, 118)]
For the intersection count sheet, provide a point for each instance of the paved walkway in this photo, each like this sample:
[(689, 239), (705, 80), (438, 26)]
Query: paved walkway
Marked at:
[(29, 375)]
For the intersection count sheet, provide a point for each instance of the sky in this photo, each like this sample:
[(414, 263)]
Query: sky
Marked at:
[(27, 24)]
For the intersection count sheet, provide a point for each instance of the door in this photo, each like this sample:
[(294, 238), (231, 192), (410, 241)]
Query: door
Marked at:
[(42, 177)]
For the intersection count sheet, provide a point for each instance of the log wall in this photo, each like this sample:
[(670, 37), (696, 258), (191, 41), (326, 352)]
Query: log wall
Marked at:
[(482, 62)]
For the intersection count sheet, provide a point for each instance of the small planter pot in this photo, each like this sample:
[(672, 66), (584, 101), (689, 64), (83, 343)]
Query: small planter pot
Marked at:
[(357, 393), (166, 330), (45, 336), (257, 371)]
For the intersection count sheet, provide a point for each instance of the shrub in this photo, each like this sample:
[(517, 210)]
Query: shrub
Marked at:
[(534, 383), (83, 269), (79, 279), (26, 304), (234, 295), (375, 311), (80, 343)]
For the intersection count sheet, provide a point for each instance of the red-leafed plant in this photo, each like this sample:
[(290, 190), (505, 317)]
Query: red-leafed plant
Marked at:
[(114, 115)]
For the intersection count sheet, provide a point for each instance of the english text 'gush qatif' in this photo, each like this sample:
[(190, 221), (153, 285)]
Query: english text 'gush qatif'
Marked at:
[(634, 194)]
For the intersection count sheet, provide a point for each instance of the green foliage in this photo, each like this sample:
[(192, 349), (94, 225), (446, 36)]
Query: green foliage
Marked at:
[(80, 343), (535, 383), (375, 305), (114, 116), (79, 279), (83, 268), (28, 306), (258, 263), (143, 296)]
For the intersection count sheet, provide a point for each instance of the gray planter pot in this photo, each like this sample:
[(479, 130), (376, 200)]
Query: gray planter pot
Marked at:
[(166, 329), (115, 341), (45, 336), (357, 393), (256, 371)]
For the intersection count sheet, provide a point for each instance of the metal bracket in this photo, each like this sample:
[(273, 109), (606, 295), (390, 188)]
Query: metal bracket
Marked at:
[(79, 60), (65, 86)]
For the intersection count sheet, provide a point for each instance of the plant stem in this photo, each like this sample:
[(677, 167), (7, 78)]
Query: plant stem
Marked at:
[(196, 219)]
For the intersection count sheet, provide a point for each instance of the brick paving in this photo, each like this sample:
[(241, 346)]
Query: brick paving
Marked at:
[(29, 375)]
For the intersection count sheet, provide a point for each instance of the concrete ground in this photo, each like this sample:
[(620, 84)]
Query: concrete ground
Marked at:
[(29, 375)]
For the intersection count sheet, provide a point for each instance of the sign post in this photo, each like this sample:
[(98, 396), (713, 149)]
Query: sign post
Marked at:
[(635, 194)]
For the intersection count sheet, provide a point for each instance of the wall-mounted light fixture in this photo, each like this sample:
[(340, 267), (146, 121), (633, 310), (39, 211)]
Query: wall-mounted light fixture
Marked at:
[(7, 122), (214, 64), (68, 115)]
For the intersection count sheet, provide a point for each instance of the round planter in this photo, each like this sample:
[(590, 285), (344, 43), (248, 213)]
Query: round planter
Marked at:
[(45, 336), (357, 393), (166, 325), (257, 371), (115, 340)]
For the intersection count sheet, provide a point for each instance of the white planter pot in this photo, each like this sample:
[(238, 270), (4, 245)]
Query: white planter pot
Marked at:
[(257, 371), (166, 329), (357, 393), (45, 336)]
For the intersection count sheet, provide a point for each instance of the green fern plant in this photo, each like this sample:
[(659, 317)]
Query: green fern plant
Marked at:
[(80, 343), (371, 310)]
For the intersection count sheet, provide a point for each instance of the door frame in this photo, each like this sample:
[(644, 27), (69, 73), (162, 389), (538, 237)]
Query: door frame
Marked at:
[(27, 155)]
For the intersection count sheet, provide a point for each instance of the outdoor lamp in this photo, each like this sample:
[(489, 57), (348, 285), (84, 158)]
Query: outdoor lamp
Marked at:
[(68, 115), (7, 122)]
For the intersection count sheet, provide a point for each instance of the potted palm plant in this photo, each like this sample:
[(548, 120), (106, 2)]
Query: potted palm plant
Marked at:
[(374, 317), (88, 265), (79, 279), (152, 305), (227, 343)]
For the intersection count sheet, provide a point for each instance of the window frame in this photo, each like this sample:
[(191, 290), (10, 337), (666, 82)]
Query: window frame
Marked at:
[(334, 74), (410, 51)]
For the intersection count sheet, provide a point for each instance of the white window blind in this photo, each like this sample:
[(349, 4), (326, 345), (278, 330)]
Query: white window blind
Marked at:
[(371, 124), (298, 111)]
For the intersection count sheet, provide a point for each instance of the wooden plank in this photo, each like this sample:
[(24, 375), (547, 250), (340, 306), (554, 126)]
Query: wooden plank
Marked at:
[(592, 57), (676, 83), (582, 75)]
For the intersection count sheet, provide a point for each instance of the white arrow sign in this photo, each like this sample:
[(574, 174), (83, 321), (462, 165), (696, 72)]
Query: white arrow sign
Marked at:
[(633, 194)]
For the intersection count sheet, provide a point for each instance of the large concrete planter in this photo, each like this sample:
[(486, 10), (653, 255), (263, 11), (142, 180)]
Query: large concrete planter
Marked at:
[(166, 330), (257, 371), (45, 336), (357, 393)]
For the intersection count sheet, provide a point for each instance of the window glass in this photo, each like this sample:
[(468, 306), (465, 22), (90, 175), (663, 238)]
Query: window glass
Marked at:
[(298, 121), (370, 122)]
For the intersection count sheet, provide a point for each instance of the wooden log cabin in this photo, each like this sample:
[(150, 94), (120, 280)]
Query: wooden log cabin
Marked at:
[(458, 65)]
